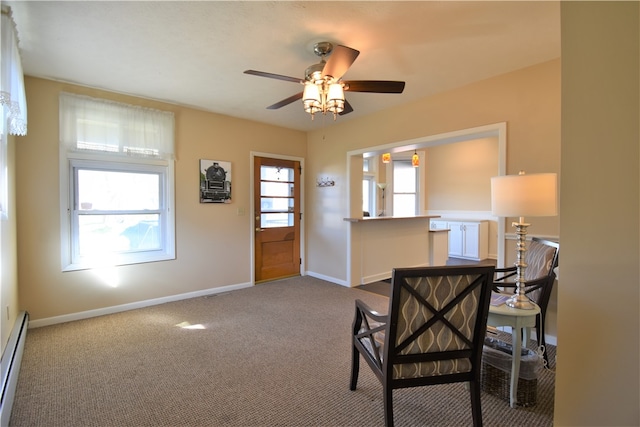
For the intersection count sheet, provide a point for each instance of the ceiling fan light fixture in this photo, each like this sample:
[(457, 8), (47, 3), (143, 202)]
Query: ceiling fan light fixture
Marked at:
[(311, 98), (335, 99), (323, 85)]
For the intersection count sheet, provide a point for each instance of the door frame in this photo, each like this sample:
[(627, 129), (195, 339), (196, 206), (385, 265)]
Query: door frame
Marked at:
[(303, 260)]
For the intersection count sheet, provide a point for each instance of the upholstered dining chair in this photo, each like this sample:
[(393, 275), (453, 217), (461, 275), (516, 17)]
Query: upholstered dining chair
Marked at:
[(541, 258), (433, 333)]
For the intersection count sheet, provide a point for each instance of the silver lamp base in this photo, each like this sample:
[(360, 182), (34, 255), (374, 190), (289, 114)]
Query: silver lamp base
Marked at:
[(520, 301)]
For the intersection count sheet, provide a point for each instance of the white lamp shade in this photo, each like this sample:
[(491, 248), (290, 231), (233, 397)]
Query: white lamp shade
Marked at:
[(311, 98), (524, 195), (335, 98), (335, 92), (311, 93)]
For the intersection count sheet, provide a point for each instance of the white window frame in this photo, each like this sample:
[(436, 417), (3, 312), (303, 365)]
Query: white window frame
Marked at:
[(69, 214), (405, 157)]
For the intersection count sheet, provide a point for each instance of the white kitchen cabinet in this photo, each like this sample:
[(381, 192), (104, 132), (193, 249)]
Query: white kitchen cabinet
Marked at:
[(468, 239), (438, 224)]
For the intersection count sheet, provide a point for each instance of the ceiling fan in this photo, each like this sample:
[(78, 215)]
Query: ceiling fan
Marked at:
[(323, 85)]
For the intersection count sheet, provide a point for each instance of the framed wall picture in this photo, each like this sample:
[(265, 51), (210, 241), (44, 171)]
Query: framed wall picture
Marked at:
[(215, 181)]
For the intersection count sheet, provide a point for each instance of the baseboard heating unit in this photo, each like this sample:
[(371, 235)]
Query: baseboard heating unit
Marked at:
[(10, 366)]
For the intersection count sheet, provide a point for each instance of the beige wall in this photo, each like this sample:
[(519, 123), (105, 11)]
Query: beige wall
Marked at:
[(459, 175), (458, 182), (598, 370), (9, 263), (213, 241), (528, 100), (598, 353)]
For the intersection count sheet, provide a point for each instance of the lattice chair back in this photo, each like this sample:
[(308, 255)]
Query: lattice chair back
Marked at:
[(435, 316)]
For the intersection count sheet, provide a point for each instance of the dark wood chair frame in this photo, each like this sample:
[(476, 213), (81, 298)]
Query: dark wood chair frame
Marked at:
[(505, 278), (368, 322)]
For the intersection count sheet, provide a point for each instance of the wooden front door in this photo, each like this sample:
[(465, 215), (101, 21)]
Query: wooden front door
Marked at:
[(277, 218)]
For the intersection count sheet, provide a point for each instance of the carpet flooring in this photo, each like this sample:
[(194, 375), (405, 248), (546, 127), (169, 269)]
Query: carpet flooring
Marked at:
[(276, 354)]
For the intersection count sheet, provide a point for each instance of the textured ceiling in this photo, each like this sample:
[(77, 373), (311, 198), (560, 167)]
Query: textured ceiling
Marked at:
[(194, 53)]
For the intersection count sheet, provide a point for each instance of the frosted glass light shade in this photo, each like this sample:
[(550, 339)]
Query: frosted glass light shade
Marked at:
[(311, 93), (335, 98), (311, 98), (524, 195), (386, 157)]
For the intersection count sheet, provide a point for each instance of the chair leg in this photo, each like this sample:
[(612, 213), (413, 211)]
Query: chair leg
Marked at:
[(355, 367), (476, 405), (388, 405)]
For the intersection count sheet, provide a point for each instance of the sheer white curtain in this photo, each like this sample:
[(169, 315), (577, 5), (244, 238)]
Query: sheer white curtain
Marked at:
[(13, 102), (12, 96), (98, 125)]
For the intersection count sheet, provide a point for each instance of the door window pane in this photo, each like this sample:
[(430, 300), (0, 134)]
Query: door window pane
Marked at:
[(274, 173), (274, 220), (276, 197), (278, 189), (272, 204)]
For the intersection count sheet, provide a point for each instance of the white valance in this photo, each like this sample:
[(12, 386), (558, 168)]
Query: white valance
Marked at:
[(12, 96), (99, 125)]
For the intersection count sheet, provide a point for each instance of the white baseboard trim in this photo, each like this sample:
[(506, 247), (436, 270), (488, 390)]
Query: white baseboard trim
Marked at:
[(132, 306), (328, 278), (376, 278)]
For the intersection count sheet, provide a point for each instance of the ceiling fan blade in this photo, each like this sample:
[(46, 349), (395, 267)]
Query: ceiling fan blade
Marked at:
[(274, 76), (286, 101), (347, 108), (376, 86), (339, 61)]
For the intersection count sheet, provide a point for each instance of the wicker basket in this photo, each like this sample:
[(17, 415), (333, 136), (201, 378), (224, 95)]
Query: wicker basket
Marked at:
[(495, 375), (498, 383)]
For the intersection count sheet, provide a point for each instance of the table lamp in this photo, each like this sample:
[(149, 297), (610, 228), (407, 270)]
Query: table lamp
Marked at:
[(519, 196)]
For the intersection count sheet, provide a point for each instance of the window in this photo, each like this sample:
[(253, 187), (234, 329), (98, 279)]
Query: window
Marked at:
[(405, 188), (117, 184), (368, 187), (368, 205)]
